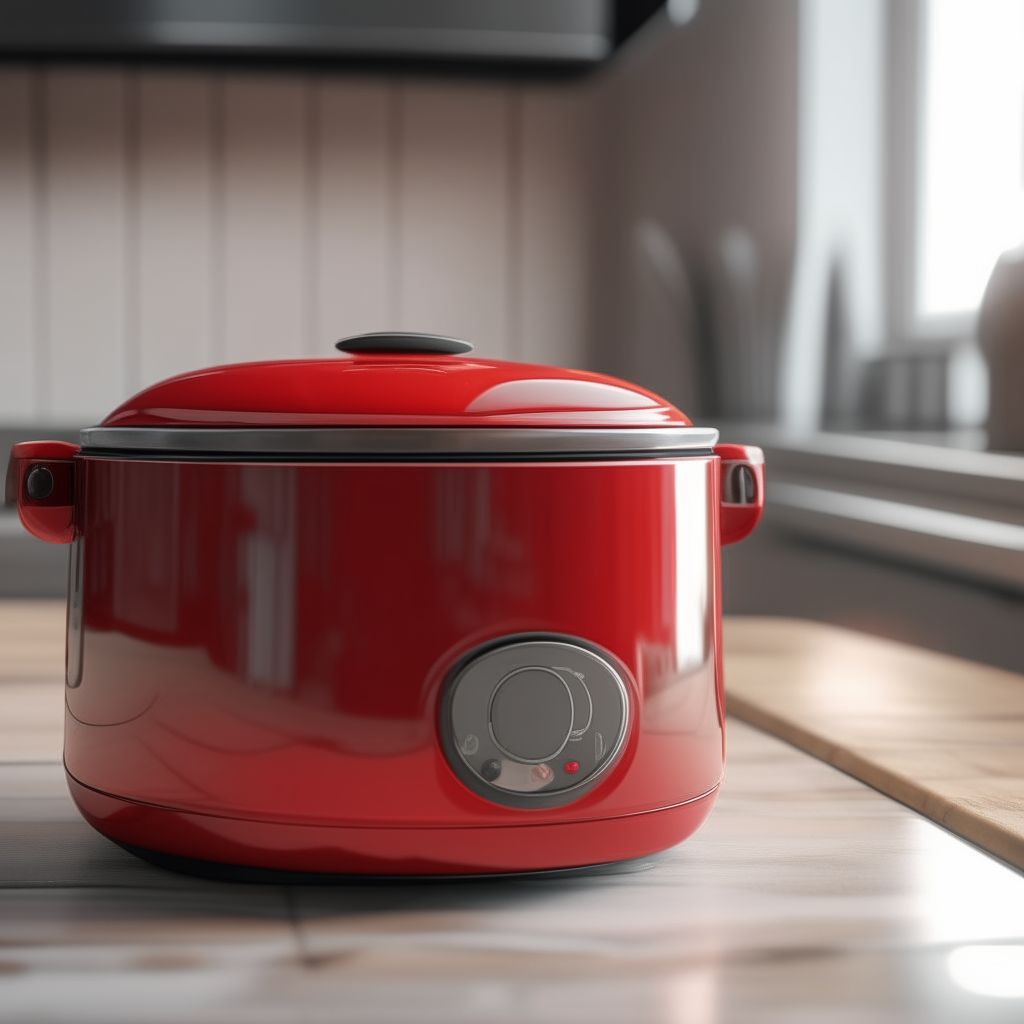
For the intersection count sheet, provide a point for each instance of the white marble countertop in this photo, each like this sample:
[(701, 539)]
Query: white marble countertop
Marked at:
[(808, 897)]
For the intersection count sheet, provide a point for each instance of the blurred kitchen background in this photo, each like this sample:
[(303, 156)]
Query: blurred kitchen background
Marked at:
[(783, 215)]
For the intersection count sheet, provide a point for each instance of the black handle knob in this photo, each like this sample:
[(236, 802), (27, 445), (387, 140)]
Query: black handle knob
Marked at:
[(39, 483), (739, 487), (390, 341)]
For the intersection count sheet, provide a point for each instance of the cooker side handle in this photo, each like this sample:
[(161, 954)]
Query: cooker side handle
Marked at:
[(41, 482), (742, 490)]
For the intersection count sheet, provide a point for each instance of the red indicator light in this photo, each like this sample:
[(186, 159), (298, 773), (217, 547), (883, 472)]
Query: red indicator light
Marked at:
[(571, 767)]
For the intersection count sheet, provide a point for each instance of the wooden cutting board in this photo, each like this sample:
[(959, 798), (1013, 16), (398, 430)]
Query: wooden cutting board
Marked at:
[(940, 734)]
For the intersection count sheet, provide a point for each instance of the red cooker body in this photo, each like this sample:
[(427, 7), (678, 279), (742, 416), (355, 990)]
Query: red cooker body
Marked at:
[(257, 649)]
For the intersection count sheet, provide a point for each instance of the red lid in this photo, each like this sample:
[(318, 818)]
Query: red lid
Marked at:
[(385, 387)]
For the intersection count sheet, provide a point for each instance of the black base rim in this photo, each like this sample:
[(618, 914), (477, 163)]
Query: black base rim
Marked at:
[(217, 871)]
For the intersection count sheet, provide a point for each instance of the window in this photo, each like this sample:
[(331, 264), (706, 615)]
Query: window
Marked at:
[(970, 165)]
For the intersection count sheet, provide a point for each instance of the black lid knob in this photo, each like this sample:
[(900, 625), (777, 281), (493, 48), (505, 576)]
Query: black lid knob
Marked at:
[(392, 341)]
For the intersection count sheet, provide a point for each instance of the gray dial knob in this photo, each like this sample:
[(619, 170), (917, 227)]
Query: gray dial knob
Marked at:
[(531, 714)]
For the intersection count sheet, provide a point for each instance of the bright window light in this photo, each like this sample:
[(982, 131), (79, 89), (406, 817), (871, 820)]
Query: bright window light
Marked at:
[(971, 171), (996, 971)]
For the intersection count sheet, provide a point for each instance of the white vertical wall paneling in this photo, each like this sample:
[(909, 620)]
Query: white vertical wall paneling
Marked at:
[(174, 223), (265, 217), (354, 210), (554, 215), (18, 383), (85, 243), (243, 216), (453, 270)]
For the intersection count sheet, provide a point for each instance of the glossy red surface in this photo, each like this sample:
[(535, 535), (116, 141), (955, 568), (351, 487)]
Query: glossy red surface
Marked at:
[(739, 520), (401, 390), (267, 643), (257, 651), (389, 851), (53, 518)]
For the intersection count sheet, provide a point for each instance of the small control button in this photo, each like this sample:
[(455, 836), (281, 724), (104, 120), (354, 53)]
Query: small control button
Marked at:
[(470, 743), (572, 767), (490, 769), (541, 773)]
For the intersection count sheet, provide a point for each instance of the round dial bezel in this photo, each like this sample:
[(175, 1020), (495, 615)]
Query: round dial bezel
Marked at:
[(572, 646)]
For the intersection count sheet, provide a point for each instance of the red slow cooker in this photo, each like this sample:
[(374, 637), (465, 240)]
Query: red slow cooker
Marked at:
[(401, 612)]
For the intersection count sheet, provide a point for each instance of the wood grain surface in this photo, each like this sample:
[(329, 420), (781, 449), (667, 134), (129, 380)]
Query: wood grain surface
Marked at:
[(943, 735)]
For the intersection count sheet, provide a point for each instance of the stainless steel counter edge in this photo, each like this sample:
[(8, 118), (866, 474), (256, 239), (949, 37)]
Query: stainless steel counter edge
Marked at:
[(945, 508), (397, 440)]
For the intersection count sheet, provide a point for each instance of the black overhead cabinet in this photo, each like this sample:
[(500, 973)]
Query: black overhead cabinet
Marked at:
[(554, 33)]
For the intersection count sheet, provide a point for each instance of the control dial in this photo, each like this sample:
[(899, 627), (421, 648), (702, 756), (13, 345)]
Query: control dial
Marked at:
[(534, 722)]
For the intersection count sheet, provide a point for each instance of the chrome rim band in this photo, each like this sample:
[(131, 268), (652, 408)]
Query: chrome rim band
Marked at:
[(333, 441)]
